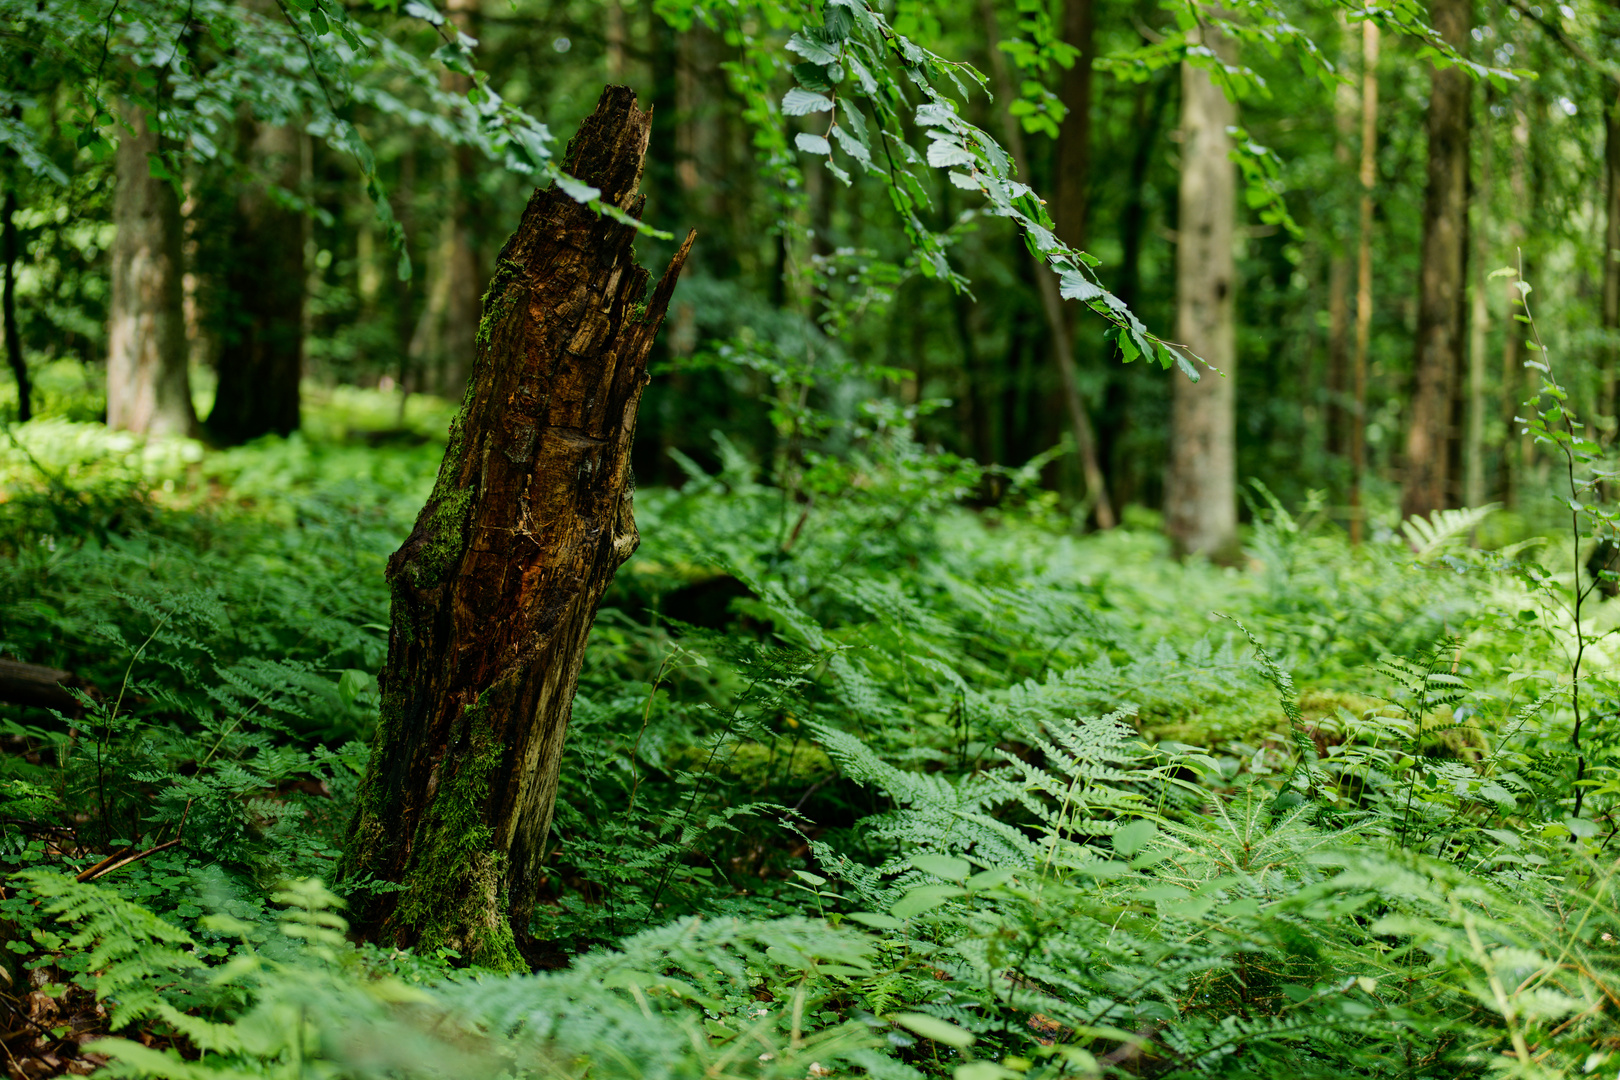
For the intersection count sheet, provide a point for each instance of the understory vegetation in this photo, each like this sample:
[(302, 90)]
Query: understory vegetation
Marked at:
[(865, 777)]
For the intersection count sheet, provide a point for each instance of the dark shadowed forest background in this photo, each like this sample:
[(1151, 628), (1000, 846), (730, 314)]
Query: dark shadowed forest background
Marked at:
[(1127, 540)]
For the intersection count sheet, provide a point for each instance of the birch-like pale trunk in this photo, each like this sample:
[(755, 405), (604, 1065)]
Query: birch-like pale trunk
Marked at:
[(1200, 488)]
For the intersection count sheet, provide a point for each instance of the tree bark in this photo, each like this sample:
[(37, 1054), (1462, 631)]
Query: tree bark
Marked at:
[(1611, 253), (1516, 459), (1428, 483), (1200, 488), (1364, 300), (1074, 137), (1338, 343), (1479, 323), (496, 588), (262, 322), (443, 339), (8, 307), (1046, 285), (148, 386)]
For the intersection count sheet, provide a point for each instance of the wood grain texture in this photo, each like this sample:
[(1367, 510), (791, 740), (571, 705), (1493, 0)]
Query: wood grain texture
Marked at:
[(495, 590)]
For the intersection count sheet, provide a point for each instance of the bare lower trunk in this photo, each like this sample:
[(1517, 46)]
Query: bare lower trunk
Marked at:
[(1430, 430), (8, 307), (148, 388), (496, 588), (1200, 488), (1515, 454), (1479, 324), (443, 339), (261, 348), (1338, 344), (1611, 254), (1364, 301), (1046, 285)]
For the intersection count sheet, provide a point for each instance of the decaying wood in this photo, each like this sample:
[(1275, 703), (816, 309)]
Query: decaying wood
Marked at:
[(33, 684), (496, 588)]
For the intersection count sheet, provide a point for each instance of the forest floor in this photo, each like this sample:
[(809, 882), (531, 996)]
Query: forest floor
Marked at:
[(870, 736)]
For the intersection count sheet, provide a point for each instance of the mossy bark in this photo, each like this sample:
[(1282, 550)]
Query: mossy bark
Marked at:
[(495, 591)]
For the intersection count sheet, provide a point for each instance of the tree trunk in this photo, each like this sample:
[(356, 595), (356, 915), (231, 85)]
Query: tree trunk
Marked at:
[(1441, 302), (443, 339), (1611, 254), (1515, 458), (148, 386), (261, 355), (1364, 301), (1338, 343), (1074, 137), (1479, 324), (8, 307), (496, 588), (1200, 487), (1047, 286)]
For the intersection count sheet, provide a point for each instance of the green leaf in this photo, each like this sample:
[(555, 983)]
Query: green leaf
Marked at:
[(924, 899), (354, 682), (577, 190), (932, 1027), (812, 144), (1134, 837), (809, 45), (800, 102), (943, 866), (1076, 286), (874, 920)]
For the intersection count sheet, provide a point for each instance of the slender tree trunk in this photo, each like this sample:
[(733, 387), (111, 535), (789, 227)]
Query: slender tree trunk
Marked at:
[(1338, 366), (1515, 458), (1479, 324), (1611, 253), (1364, 300), (1046, 285), (614, 49), (8, 307), (148, 386), (1200, 488), (261, 356), (495, 591), (1074, 137), (1442, 295)]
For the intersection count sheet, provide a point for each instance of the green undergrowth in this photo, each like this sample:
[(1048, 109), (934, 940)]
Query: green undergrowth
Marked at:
[(860, 781)]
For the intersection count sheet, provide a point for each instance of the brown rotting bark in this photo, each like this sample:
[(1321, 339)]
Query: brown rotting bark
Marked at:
[(495, 591)]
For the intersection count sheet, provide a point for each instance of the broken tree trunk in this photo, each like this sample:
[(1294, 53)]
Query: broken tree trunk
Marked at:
[(496, 588)]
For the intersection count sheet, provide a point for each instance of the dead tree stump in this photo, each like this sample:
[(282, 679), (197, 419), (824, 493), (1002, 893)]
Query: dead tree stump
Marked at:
[(495, 591)]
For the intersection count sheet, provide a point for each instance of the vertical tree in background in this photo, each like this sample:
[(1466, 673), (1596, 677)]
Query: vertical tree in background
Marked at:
[(1473, 455), (1429, 483), (148, 387), (1200, 488), (1338, 367), (1074, 137), (1058, 324), (442, 341), (495, 590), (8, 302), (1611, 243), (261, 350), (1515, 459), (1369, 179)]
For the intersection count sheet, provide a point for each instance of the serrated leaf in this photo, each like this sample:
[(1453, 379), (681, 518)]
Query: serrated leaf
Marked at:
[(809, 45), (812, 144), (801, 102), (1074, 286), (944, 154)]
